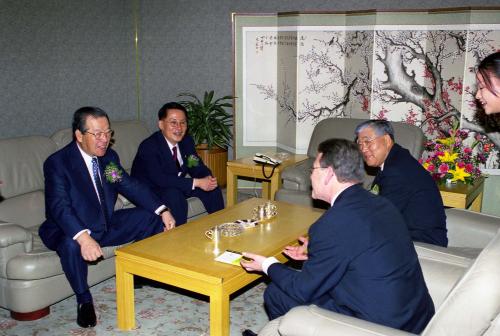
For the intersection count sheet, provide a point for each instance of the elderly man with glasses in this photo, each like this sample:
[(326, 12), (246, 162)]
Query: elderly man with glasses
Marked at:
[(168, 163), (402, 180), (82, 182)]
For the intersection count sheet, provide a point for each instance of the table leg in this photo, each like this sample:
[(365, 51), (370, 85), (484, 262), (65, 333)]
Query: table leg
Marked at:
[(219, 313), (124, 298), (476, 203), (275, 185), (266, 189), (231, 187)]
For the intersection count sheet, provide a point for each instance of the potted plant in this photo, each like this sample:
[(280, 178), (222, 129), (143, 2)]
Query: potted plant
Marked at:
[(210, 126)]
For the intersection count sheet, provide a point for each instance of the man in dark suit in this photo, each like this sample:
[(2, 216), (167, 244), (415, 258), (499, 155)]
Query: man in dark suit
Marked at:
[(82, 181), (402, 180), (361, 261), (165, 158)]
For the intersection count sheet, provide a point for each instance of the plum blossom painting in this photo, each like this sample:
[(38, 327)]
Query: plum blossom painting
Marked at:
[(291, 71)]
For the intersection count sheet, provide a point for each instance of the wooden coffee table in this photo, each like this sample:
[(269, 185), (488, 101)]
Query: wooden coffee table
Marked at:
[(246, 167), (184, 258)]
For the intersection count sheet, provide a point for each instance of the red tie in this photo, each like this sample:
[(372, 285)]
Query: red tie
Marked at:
[(174, 155)]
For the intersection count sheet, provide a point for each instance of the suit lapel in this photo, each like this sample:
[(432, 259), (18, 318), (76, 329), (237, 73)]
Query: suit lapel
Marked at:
[(81, 174), (107, 187)]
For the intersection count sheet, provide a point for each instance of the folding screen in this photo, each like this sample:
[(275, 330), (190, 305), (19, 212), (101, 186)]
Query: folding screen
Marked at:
[(294, 69)]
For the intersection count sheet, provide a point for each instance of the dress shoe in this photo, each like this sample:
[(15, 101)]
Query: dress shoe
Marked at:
[(86, 315), (248, 332)]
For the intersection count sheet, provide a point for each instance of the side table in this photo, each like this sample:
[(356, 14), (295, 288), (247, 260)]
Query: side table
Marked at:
[(246, 167), (463, 196)]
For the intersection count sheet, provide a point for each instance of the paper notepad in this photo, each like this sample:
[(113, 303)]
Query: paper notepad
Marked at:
[(230, 257)]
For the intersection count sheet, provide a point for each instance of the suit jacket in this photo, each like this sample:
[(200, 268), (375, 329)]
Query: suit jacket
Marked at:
[(155, 166), (361, 263), (71, 202), (413, 191)]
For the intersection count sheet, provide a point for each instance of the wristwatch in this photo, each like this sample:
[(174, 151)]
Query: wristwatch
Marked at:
[(165, 209)]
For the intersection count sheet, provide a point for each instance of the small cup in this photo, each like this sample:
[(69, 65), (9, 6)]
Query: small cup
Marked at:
[(213, 234)]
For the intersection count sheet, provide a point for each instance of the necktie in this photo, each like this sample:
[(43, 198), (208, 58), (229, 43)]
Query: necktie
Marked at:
[(100, 191), (174, 155)]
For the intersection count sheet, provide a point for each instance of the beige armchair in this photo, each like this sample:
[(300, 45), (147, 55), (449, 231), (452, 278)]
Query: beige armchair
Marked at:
[(296, 186), (467, 301)]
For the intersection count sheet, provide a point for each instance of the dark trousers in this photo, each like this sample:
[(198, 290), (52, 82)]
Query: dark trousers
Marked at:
[(278, 303), (176, 200), (126, 225)]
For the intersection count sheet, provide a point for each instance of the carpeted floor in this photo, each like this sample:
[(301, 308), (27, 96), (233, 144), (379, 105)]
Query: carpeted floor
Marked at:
[(158, 311)]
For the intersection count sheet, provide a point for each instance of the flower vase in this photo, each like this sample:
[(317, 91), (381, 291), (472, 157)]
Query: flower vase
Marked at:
[(449, 181)]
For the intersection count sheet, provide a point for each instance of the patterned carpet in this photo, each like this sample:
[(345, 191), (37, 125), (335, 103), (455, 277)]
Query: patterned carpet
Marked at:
[(159, 311)]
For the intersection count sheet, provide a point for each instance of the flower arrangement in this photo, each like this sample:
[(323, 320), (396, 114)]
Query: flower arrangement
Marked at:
[(192, 161), (456, 157), (113, 173)]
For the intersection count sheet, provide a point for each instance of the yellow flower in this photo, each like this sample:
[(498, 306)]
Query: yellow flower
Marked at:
[(447, 157), (446, 141), (459, 174), (426, 165)]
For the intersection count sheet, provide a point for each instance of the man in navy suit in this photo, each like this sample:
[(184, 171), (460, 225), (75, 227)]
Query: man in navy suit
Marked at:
[(165, 158), (361, 261), (82, 181), (402, 180)]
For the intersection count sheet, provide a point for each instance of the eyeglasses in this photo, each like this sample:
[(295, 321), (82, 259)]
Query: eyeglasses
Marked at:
[(101, 135), (311, 170), (175, 123), (367, 142)]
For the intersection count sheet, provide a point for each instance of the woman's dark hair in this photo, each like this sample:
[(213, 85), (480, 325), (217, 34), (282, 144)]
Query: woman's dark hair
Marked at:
[(490, 66)]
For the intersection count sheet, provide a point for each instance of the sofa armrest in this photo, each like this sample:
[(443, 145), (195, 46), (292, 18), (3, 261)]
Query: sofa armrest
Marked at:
[(297, 177), (14, 240), (315, 321), (11, 234), (470, 229)]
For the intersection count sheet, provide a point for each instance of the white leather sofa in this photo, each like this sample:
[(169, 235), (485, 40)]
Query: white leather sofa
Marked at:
[(31, 277), (466, 297)]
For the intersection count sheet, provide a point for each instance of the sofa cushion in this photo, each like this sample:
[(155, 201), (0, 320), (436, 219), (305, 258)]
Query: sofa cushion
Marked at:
[(457, 255), (26, 210), (474, 302), (21, 164)]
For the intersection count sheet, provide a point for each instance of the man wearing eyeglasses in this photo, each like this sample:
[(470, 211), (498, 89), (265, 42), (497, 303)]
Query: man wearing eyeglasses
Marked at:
[(168, 163), (82, 181), (361, 260), (403, 181)]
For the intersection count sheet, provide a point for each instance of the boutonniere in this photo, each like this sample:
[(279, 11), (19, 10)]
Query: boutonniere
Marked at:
[(375, 189), (193, 161), (113, 173)]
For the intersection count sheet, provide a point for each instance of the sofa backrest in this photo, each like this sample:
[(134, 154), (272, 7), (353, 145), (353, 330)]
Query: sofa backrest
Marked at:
[(21, 163), (21, 168), (409, 136), (473, 304), (127, 136)]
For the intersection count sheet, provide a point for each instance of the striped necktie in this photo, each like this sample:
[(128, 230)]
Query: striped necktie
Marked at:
[(100, 191), (174, 155)]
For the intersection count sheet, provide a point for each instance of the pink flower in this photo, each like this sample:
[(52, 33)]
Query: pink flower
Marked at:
[(461, 164), (467, 150), (431, 167), (469, 167), (443, 168)]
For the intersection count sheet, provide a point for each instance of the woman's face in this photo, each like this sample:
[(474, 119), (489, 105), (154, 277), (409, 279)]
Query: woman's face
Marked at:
[(488, 100)]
